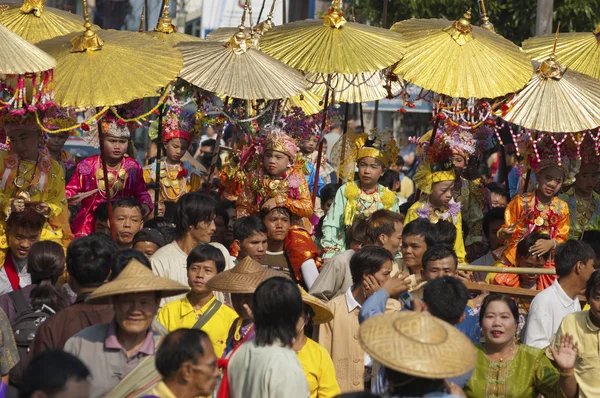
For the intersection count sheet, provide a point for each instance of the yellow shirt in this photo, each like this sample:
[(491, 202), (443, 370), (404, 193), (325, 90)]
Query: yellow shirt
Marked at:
[(319, 370), (162, 391), (587, 366), (180, 314)]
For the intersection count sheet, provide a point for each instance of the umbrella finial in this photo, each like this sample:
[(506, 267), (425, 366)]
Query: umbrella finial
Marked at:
[(238, 42), (267, 25), (551, 68), (35, 7), (334, 17), (88, 40), (141, 27), (463, 25), (165, 24), (461, 30), (485, 21), (597, 30), (555, 40)]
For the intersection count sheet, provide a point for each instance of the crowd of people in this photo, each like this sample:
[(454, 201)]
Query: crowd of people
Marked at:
[(194, 278)]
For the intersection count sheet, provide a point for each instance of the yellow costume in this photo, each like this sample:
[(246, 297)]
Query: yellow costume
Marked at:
[(175, 181), (41, 181)]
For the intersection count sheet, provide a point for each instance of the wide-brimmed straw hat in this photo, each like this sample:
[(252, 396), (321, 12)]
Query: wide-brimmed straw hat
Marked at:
[(243, 278), (137, 278), (417, 344), (322, 313)]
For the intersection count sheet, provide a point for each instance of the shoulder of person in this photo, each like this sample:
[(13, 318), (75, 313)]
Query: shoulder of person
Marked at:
[(92, 334)]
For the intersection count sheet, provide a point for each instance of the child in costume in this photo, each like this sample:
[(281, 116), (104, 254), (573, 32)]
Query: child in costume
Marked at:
[(540, 211), (29, 175), (583, 201), (125, 177), (177, 177), (359, 199), (435, 178), (57, 118)]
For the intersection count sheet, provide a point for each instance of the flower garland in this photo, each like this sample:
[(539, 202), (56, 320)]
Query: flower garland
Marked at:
[(429, 213), (353, 192)]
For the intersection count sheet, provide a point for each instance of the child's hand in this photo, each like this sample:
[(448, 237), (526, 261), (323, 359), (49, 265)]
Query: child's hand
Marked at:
[(269, 204), (506, 233), (541, 247)]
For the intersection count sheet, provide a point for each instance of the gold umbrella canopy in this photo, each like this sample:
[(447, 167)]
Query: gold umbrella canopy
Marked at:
[(35, 22), (556, 100), (309, 102), (109, 67), (356, 88), (333, 45), (238, 71), (577, 51), (167, 32), (459, 60), (18, 56)]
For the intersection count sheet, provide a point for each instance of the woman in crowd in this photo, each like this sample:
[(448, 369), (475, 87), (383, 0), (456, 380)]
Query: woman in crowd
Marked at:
[(509, 369)]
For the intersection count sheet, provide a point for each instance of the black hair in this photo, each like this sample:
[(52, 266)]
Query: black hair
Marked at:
[(382, 222), (570, 253), (151, 186), (164, 226), (245, 227), (206, 252), (421, 227), (497, 188), (211, 142), (149, 235), (88, 259), (277, 306), (50, 371), (101, 212), (389, 178), (592, 238), (120, 259), (512, 305), (328, 192), (493, 214), (403, 208), (592, 285), (400, 161), (412, 386), (279, 210), (129, 202), (180, 346), (446, 298), (446, 233), (27, 220), (368, 260), (524, 245), (220, 212), (357, 232), (46, 263), (439, 252), (193, 208)]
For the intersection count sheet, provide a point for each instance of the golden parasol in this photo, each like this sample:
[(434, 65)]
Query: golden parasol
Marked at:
[(459, 60), (109, 67), (556, 100), (18, 56), (35, 22), (577, 51), (167, 32), (238, 70)]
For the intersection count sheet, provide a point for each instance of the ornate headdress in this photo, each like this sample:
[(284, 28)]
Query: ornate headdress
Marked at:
[(114, 125), (56, 118), (378, 144), (436, 162), (279, 141)]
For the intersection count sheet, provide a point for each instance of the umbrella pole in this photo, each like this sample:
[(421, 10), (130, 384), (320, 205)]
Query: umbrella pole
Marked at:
[(158, 155), (504, 166), (436, 124), (344, 130), (111, 217), (320, 155), (213, 161), (362, 120)]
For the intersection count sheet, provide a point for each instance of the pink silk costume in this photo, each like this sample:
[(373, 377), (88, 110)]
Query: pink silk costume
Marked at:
[(522, 212), (84, 180)]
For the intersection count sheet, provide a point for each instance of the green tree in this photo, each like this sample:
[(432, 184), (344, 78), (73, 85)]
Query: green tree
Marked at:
[(513, 19)]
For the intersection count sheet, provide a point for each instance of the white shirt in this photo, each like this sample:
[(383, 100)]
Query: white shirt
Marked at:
[(352, 304), (24, 277), (171, 262), (546, 313)]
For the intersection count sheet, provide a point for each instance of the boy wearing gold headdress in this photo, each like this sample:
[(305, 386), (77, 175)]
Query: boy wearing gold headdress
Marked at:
[(30, 175), (361, 198)]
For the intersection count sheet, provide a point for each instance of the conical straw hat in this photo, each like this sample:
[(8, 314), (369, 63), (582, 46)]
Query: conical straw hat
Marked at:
[(137, 278), (459, 60), (35, 22), (577, 51), (417, 344), (322, 313), (243, 278), (18, 56)]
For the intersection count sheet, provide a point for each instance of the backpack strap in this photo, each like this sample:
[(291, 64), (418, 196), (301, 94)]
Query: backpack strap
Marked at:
[(19, 301), (208, 314)]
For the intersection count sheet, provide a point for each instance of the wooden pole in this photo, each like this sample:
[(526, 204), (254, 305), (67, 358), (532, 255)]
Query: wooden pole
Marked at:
[(343, 137), (507, 270), (111, 217), (320, 155), (215, 156), (159, 146)]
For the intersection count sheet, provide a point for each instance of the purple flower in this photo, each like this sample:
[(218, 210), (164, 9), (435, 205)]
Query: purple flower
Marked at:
[(423, 212)]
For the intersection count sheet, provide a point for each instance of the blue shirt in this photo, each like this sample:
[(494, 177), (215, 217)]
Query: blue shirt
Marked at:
[(310, 178)]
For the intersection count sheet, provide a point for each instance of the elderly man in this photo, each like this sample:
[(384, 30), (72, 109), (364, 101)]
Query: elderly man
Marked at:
[(188, 364), (120, 354)]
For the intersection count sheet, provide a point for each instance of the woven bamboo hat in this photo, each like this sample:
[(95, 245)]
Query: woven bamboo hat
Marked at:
[(243, 278), (322, 313), (137, 278), (417, 344)]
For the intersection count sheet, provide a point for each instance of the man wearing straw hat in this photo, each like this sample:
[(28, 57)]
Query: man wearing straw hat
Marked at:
[(120, 355)]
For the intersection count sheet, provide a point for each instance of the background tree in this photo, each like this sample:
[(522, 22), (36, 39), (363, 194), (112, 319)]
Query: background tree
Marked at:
[(513, 19)]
